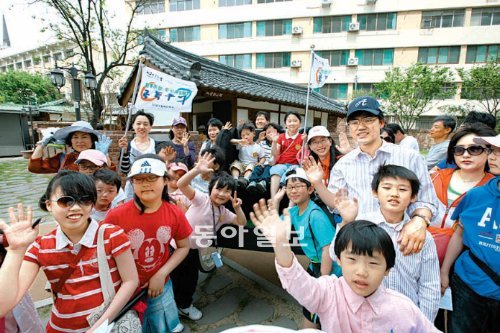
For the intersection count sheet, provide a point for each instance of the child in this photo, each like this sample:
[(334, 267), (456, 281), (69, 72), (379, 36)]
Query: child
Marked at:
[(201, 181), (313, 225), (151, 222), (261, 176), (108, 184), (355, 302), (415, 276), (67, 255), (284, 150), (206, 215), (250, 154), (175, 171)]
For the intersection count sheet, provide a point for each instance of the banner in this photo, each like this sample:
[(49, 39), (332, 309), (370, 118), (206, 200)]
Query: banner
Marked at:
[(161, 92), (320, 69)]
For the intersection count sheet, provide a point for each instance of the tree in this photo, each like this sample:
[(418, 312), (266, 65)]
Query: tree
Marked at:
[(21, 87), (101, 45), (482, 83), (408, 92)]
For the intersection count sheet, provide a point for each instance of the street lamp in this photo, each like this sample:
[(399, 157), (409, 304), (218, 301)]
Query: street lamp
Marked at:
[(57, 78)]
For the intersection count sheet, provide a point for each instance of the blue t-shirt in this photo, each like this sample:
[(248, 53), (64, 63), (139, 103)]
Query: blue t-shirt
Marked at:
[(445, 165), (479, 215)]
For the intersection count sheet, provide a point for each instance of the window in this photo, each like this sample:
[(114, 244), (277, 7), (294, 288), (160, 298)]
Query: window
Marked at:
[(36, 61), (485, 16), (58, 56), (336, 58), (329, 24), (439, 55), (230, 3), (3, 69), (235, 30), (270, 1), (240, 61), (27, 63), (375, 57), (10, 67), (46, 59), (273, 60), (442, 19), (69, 53), (447, 89), (274, 28), (334, 91), (377, 22), (182, 5), (186, 34), (151, 7), (19, 65), (481, 53)]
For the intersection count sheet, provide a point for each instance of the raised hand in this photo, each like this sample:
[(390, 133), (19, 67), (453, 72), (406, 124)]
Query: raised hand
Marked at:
[(266, 218), (274, 137), (344, 146), (103, 143), (235, 201), (185, 139), (169, 154), (123, 143), (347, 207), (279, 196), (204, 162), (227, 126), (314, 171), (19, 232), (262, 136)]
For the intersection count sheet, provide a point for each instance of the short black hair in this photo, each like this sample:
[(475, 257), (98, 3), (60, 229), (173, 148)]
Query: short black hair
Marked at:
[(72, 183), (396, 171), (365, 238), (263, 113), (395, 128), (93, 137), (481, 117), (148, 115), (390, 134), (292, 113), (108, 177), (297, 179), (163, 144), (275, 126), (202, 129), (448, 122), (215, 122), (478, 129), (216, 152), (247, 126), (221, 180), (164, 193)]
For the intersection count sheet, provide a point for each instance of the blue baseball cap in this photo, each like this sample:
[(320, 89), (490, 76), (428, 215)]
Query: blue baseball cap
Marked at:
[(364, 103)]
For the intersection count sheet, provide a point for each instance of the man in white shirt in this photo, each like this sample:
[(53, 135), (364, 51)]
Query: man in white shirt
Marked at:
[(403, 139)]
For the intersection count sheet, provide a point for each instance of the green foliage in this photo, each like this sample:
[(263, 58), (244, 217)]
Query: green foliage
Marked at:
[(482, 83), (22, 87), (408, 92)]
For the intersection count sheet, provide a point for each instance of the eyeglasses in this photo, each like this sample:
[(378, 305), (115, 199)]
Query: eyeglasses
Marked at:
[(68, 201), (472, 150), (315, 143), (148, 179), (495, 151), (295, 187), (88, 167), (365, 121)]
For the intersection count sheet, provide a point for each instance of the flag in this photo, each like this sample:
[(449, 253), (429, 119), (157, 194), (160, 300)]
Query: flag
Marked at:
[(320, 69)]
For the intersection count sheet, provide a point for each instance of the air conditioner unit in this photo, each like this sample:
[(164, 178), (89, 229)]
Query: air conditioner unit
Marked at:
[(352, 62), (296, 30), (326, 3), (296, 63), (354, 26), (371, 2)]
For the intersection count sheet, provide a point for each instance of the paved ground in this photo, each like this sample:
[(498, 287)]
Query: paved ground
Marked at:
[(244, 291)]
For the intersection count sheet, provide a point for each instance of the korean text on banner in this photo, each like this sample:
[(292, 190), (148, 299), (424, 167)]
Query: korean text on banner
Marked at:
[(161, 92), (319, 71)]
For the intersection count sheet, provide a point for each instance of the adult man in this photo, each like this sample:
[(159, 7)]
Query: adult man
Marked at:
[(354, 171), (440, 132), (403, 139)]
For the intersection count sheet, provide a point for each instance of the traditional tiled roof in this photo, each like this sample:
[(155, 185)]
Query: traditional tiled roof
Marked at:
[(216, 76)]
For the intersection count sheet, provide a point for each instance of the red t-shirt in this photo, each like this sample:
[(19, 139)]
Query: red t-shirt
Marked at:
[(150, 234), (289, 148)]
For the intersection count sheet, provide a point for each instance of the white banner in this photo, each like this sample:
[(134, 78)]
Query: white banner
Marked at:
[(161, 92), (320, 69)]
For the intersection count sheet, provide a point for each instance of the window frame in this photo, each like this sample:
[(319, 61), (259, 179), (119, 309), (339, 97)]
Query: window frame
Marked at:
[(472, 51), (477, 16), (390, 23), (387, 57), (437, 17), (277, 59), (223, 59), (246, 29), (328, 27), (284, 28), (437, 53), (186, 5), (195, 32), (336, 58), (150, 7)]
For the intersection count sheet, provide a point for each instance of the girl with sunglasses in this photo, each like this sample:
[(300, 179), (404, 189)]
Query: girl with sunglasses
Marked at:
[(68, 255), (151, 223)]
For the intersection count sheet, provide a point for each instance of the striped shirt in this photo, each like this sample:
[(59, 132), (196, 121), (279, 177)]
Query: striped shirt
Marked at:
[(81, 294), (417, 275), (266, 148), (355, 171)]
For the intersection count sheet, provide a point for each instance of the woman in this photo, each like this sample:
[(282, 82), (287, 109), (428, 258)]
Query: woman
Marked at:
[(323, 150), (387, 134), (141, 144), (78, 137), (180, 138), (471, 171), (492, 142), (214, 127)]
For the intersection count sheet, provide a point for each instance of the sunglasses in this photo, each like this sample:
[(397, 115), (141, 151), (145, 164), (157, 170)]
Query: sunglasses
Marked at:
[(472, 150), (386, 139), (67, 201)]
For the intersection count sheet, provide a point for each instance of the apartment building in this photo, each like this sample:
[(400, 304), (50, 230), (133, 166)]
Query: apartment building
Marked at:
[(362, 38)]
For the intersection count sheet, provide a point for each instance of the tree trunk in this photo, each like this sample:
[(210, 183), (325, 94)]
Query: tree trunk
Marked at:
[(97, 107)]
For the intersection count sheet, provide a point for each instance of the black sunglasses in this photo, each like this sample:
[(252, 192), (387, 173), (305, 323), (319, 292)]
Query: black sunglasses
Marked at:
[(472, 150), (67, 201)]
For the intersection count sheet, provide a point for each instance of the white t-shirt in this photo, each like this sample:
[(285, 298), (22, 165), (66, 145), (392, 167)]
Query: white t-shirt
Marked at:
[(250, 154), (410, 142)]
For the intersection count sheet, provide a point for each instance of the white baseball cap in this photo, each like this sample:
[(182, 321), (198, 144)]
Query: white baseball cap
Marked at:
[(299, 173), (317, 131), (488, 140), (148, 166)]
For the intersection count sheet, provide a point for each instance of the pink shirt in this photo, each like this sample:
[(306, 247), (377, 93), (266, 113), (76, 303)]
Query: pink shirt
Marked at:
[(205, 219), (342, 310)]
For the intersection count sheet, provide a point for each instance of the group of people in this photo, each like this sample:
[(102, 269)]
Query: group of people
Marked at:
[(386, 231)]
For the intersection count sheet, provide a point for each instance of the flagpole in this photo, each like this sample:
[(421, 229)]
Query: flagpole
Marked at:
[(129, 108), (307, 102)]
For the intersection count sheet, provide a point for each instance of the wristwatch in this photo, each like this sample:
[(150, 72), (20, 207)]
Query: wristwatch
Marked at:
[(425, 218)]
